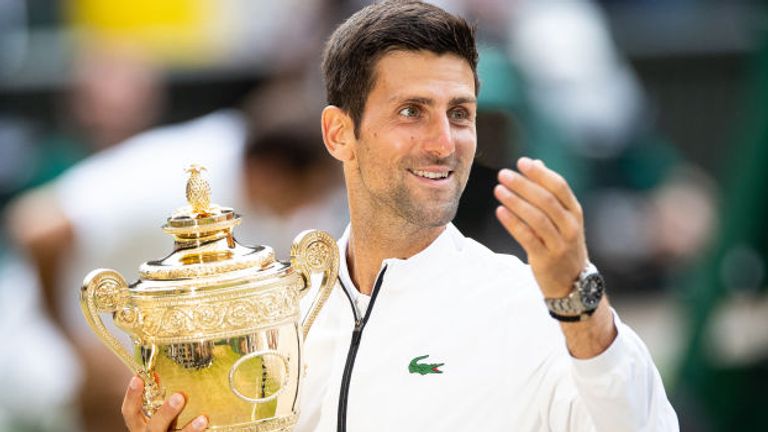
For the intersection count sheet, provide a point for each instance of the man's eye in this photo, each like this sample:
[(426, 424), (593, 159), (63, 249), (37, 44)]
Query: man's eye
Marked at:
[(459, 114), (409, 111)]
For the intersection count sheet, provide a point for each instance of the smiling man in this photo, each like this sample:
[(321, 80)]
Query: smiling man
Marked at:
[(408, 160), (428, 329)]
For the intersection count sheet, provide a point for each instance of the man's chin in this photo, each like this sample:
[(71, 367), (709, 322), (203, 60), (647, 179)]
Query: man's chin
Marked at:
[(427, 210), (434, 219)]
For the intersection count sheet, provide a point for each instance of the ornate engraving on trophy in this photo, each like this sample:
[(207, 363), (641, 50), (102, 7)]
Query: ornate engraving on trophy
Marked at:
[(317, 255)]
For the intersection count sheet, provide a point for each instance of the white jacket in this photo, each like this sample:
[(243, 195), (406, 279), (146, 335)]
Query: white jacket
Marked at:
[(505, 366)]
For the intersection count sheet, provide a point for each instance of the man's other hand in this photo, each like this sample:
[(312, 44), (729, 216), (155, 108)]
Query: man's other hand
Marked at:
[(541, 212), (163, 419)]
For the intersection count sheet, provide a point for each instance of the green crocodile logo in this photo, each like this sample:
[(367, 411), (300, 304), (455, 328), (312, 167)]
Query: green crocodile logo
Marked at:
[(424, 368)]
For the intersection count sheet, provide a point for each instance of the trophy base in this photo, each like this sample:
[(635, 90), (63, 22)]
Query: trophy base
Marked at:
[(280, 424)]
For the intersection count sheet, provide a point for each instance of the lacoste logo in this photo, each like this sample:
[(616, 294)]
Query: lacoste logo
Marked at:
[(424, 368)]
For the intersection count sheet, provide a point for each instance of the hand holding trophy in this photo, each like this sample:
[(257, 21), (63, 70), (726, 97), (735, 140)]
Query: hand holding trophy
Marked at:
[(216, 320)]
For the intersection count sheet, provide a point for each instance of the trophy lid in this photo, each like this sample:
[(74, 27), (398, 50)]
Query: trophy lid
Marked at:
[(203, 241)]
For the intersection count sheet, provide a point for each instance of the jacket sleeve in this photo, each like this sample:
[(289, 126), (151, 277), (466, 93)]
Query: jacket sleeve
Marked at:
[(619, 390)]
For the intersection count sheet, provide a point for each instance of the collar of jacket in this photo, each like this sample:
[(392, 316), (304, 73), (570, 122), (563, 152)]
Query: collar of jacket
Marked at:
[(436, 256)]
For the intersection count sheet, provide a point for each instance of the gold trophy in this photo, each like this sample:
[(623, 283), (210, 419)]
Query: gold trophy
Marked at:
[(217, 320)]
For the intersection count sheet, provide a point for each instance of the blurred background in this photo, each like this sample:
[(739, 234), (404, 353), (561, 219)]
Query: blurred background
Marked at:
[(655, 111)]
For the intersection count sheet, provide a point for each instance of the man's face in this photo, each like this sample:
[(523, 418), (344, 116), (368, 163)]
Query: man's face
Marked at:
[(417, 138)]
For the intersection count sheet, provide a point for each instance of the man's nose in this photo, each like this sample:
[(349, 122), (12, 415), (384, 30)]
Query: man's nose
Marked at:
[(440, 138)]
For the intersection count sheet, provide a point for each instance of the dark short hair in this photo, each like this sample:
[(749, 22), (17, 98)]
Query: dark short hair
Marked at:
[(294, 145), (281, 122), (354, 48)]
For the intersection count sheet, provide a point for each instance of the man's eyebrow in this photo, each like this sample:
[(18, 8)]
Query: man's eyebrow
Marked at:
[(463, 100), (429, 101), (412, 100)]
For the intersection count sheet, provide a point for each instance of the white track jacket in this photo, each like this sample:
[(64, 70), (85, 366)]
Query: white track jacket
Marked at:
[(457, 338)]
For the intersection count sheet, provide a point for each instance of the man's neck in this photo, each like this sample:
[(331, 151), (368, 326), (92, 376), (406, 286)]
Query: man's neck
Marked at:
[(370, 244)]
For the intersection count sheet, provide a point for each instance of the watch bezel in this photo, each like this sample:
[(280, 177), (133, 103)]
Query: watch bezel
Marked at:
[(591, 289)]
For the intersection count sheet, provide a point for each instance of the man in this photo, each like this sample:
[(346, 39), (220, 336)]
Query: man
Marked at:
[(442, 334)]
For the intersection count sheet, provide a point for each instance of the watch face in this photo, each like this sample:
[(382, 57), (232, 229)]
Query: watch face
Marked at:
[(592, 290)]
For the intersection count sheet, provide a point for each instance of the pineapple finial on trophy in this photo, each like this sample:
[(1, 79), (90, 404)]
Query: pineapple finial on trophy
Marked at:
[(198, 190)]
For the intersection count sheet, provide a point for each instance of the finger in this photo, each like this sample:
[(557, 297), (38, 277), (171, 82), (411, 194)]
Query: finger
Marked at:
[(534, 218), (197, 424), (520, 231), (131, 408), (543, 199), (166, 415), (552, 181)]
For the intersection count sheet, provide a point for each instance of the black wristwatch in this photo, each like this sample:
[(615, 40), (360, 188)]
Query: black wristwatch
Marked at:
[(581, 303)]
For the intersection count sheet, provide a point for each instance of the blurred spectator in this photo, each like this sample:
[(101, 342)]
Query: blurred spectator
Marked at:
[(116, 92), (105, 212)]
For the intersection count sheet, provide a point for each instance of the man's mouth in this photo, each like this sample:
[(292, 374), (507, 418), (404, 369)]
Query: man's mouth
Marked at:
[(432, 175)]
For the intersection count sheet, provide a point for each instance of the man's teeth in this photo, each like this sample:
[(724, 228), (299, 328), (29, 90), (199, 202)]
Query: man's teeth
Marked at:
[(430, 174)]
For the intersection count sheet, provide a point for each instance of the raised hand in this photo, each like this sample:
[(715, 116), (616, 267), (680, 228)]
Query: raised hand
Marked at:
[(540, 211)]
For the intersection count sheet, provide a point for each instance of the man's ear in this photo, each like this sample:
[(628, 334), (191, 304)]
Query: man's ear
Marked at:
[(338, 133)]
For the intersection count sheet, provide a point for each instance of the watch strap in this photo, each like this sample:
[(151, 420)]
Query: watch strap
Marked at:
[(568, 305), (572, 318)]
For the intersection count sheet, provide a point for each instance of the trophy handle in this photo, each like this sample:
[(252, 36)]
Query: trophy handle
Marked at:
[(315, 251), (105, 290)]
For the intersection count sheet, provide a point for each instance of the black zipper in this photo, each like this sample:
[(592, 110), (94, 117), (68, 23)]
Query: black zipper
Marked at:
[(357, 334)]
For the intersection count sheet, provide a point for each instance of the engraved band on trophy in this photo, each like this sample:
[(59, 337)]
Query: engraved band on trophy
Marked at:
[(215, 319)]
